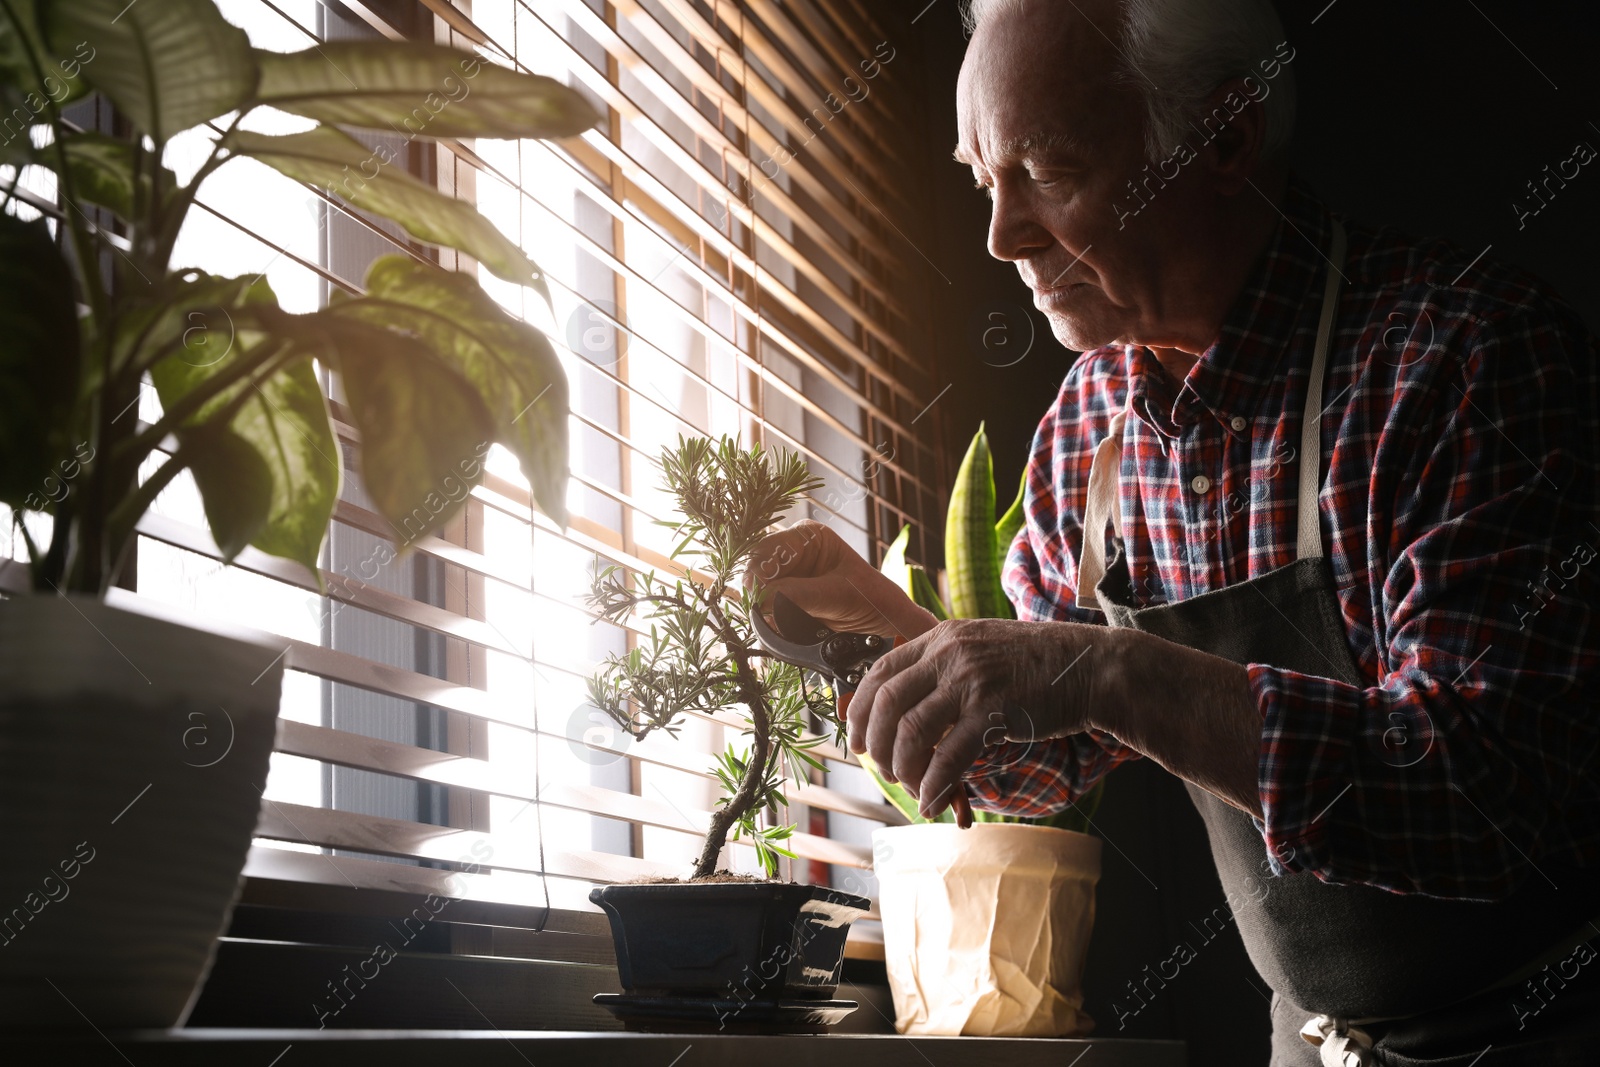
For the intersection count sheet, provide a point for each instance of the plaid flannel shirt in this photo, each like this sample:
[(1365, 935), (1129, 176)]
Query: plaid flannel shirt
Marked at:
[(1460, 438)]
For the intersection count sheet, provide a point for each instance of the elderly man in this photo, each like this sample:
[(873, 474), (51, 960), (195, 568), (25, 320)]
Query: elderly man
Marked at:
[(1348, 481)]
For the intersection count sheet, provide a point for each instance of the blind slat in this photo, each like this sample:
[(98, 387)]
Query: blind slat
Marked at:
[(328, 828), (443, 768), (347, 589)]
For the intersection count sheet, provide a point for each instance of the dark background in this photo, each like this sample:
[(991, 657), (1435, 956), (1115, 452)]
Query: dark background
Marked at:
[(1423, 116)]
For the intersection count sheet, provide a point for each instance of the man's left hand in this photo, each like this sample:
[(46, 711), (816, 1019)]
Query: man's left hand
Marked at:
[(927, 709)]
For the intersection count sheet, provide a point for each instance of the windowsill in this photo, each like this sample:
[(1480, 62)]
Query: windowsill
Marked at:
[(429, 1048)]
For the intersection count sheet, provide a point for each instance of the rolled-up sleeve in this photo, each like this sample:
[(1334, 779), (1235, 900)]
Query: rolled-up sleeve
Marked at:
[(1482, 729)]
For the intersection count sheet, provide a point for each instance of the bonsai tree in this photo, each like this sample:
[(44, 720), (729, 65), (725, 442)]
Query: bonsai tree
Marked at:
[(433, 371), (702, 654), (975, 546)]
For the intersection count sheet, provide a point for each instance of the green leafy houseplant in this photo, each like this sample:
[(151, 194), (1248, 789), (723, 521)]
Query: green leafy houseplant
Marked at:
[(975, 545), (702, 654), (432, 369)]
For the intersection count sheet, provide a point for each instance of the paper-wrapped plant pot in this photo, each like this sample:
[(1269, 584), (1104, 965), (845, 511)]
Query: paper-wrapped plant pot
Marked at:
[(985, 930)]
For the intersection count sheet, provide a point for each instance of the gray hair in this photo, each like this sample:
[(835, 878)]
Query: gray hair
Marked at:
[(1176, 52)]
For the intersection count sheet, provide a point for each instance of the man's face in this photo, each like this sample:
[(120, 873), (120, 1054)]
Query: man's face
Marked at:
[(1054, 139)]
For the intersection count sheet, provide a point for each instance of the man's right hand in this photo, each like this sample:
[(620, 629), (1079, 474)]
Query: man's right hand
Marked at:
[(810, 564)]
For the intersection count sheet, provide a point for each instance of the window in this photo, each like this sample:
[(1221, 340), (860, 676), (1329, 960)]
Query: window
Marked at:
[(722, 259)]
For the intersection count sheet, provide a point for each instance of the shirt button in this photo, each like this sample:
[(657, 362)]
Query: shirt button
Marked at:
[(1201, 484), (1238, 423)]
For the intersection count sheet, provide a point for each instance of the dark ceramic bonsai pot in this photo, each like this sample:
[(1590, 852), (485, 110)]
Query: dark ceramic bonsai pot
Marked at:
[(728, 956)]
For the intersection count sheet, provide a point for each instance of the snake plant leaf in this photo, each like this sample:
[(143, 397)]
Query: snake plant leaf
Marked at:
[(424, 427), (31, 74), (1016, 516), (969, 538), (419, 90), (168, 65), (374, 180), (899, 795), (38, 361), (911, 577), (284, 425), (510, 363), (925, 595), (894, 563)]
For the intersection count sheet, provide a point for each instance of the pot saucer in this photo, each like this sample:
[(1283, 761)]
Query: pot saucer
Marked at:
[(726, 1014)]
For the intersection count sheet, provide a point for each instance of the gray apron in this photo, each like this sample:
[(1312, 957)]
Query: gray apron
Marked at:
[(1438, 977)]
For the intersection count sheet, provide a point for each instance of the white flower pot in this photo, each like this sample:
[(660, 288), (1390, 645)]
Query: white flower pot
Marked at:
[(985, 930), (133, 752)]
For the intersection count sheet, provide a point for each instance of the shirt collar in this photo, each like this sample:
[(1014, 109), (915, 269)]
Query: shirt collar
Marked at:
[(1253, 347)]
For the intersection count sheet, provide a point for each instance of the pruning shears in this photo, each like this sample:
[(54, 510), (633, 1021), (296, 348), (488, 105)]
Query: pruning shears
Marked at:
[(843, 657)]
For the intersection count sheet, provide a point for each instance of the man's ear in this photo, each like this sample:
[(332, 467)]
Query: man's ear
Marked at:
[(1234, 126)]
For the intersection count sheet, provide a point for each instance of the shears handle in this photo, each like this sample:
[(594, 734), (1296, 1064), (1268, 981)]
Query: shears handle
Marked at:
[(848, 694)]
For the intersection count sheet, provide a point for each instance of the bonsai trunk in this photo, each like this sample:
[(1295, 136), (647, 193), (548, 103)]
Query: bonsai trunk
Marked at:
[(750, 692)]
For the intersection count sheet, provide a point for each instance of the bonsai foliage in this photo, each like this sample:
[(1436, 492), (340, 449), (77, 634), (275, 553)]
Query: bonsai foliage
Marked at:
[(433, 371), (702, 654), (975, 546)]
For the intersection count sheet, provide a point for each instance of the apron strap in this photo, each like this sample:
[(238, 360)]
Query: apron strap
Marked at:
[(1309, 544), (1102, 504), (1105, 469), (1340, 1043)]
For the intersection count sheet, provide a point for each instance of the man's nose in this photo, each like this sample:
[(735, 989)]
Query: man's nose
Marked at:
[(1013, 231)]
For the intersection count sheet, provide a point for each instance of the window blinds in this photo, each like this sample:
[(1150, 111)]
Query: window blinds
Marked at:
[(726, 255)]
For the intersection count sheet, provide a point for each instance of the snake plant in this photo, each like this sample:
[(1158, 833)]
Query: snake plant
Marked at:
[(975, 544)]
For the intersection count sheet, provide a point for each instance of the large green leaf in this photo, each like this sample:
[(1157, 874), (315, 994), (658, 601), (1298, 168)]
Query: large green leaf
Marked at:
[(19, 50), (32, 75), (236, 487), (373, 179), (510, 363), (168, 65), (190, 310), (419, 90), (39, 367), (104, 172), (424, 428), (16, 150), (283, 425)]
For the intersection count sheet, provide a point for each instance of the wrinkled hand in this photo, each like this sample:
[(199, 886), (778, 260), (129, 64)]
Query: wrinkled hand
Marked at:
[(811, 564), (927, 709)]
